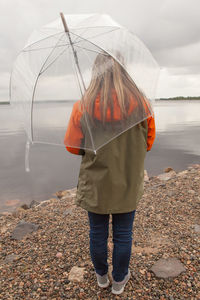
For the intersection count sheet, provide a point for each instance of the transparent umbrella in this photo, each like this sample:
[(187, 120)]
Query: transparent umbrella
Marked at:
[(88, 63)]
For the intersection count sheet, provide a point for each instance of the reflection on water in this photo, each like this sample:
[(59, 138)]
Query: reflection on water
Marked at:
[(176, 115), (178, 124), (169, 115), (53, 168)]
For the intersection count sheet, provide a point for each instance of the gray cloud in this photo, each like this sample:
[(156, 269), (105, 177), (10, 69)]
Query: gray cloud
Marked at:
[(169, 28)]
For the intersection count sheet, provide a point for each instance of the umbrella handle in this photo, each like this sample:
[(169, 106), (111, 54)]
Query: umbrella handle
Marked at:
[(64, 22), (27, 151)]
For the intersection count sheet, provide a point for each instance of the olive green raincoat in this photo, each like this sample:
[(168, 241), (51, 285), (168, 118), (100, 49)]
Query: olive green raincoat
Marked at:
[(112, 180)]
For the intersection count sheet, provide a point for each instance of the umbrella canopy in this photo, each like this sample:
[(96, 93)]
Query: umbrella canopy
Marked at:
[(60, 65)]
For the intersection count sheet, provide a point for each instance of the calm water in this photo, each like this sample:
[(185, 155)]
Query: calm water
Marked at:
[(53, 168)]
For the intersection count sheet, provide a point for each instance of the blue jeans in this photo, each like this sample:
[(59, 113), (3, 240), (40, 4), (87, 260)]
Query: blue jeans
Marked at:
[(122, 225)]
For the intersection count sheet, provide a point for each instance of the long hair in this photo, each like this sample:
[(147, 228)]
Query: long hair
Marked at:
[(107, 76)]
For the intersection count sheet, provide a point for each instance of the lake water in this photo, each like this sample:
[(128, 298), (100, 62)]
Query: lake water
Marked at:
[(177, 145)]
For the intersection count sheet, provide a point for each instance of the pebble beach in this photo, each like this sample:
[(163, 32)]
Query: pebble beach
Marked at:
[(44, 247)]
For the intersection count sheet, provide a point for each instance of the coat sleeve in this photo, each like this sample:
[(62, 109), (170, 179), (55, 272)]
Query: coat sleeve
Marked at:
[(74, 135), (151, 132)]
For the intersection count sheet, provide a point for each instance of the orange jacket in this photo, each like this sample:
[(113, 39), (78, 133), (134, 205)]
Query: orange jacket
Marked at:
[(75, 133)]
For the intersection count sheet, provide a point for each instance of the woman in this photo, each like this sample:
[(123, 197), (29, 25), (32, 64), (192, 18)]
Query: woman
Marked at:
[(111, 181)]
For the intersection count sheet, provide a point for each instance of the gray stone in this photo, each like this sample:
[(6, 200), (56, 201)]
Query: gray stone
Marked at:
[(76, 274), (33, 203), (183, 174), (170, 193), (167, 176), (10, 258), (192, 192), (5, 214), (24, 206), (44, 203), (19, 213), (169, 267), (169, 169), (22, 229), (68, 212), (197, 228)]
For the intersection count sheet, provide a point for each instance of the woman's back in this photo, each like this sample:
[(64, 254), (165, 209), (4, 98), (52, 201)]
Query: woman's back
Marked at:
[(112, 180)]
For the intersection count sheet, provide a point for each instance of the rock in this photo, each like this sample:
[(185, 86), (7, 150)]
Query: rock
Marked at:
[(76, 274), (5, 214), (67, 212), (74, 190), (146, 177), (197, 228), (167, 176), (66, 194), (170, 193), (22, 229), (24, 206), (19, 213), (134, 274), (167, 170), (183, 173), (10, 258), (170, 267), (33, 203), (192, 192), (44, 203), (3, 229), (142, 271), (59, 255), (21, 284), (61, 194)]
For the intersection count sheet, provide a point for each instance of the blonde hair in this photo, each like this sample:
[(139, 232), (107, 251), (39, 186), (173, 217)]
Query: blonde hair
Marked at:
[(108, 75)]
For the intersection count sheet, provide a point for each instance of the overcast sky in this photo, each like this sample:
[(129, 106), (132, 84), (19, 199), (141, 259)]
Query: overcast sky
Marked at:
[(169, 28)]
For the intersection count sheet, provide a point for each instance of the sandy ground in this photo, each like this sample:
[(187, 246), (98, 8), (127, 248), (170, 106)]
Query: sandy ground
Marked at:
[(166, 225)]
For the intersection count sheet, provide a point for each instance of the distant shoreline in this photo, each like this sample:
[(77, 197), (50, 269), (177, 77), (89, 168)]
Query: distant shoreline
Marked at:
[(157, 99), (179, 98), (4, 102)]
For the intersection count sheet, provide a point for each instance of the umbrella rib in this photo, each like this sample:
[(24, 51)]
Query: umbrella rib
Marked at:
[(49, 47), (104, 50), (41, 40), (94, 36), (101, 48), (53, 60), (88, 49), (35, 89), (80, 47), (56, 57), (89, 27)]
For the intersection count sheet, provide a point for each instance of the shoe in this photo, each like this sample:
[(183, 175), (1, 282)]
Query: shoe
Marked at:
[(103, 281), (118, 287)]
